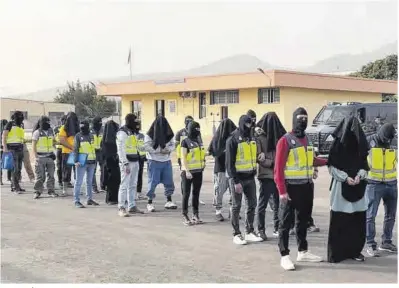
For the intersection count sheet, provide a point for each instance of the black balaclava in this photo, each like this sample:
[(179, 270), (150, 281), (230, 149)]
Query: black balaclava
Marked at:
[(299, 125), (194, 130), (130, 122), (244, 126), (187, 121), (97, 123), (386, 133), (85, 127), (18, 118), (63, 120), (44, 123), (251, 114)]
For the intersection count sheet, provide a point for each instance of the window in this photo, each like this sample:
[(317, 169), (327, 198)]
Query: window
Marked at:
[(224, 97), (159, 107), (172, 106), (137, 108), (268, 95), (202, 105)]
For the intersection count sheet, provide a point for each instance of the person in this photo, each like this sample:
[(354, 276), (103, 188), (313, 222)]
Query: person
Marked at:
[(27, 164), (251, 114), (13, 141), (241, 170), (43, 146), (83, 145), (67, 134), (382, 184), (218, 151), (59, 151), (348, 167), (180, 136), (142, 160), (97, 133), (159, 144), (2, 127), (128, 153), (271, 130), (112, 174), (293, 173), (193, 164)]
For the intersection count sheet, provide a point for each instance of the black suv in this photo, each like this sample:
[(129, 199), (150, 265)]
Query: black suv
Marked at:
[(371, 116)]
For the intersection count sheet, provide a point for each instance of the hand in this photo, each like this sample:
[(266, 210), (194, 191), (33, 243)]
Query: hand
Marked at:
[(238, 188), (350, 181), (315, 174), (284, 198), (189, 175), (261, 157), (77, 164), (5, 150), (357, 179)]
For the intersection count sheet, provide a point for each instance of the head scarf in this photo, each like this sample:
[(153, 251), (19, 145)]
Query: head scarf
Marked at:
[(386, 133), (242, 127), (299, 125), (97, 123), (223, 132), (108, 144), (273, 129), (193, 130), (71, 124), (187, 121), (160, 132)]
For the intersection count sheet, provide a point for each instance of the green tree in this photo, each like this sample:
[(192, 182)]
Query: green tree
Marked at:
[(87, 102), (386, 68)]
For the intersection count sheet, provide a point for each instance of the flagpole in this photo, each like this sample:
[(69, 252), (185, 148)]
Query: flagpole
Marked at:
[(131, 74)]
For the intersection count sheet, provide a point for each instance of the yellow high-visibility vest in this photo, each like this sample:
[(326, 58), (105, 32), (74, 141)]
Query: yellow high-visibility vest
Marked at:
[(87, 148), (57, 140), (97, 141), (299, 164), (382, 164), (196, 156), (44, 144), (178, 148), (140, 144), (246, 157), (16, 135)]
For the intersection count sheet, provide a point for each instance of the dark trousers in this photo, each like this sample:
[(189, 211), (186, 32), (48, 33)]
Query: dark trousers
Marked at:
[(267, 193), (16, 172), (59, 165), (299, 208), (196, 183), (112, 179), (249, 191), (140, 176), (66, 169)]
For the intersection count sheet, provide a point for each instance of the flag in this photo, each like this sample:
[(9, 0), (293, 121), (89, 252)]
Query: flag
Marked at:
[(130, 56)]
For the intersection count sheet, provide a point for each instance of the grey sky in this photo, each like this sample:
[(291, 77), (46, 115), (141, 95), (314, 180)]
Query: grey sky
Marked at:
[(46, 43)]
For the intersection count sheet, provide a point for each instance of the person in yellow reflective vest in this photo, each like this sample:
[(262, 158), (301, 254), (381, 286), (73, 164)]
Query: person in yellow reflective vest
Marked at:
[(142, 159), (97, 133), (13, 139), (241, 171), (43, 150), (382, 184), (193, 164), (58, 154), (83, 145)]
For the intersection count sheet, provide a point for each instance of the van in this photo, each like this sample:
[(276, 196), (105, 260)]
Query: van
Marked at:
[(370, 115)]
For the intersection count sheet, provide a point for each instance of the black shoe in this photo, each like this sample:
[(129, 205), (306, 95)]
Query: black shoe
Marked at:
[(69, 185), (359, 258), (262, 235), (389, 247), (313, 229), (219, 217), (1, 183), (36, 195), (96, 191), (112, 203), (186, 220), (92, 202), (20, 190), (135, 210), (53, 194), (196, 219), (79, 205)]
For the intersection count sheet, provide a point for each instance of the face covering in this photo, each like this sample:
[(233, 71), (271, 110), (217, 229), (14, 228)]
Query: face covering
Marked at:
[(18, 118), (193, 130), (386, 133), (244, 126), (45, 124), (187, 121), (299, 124), (97, 123), (85, 127), (130, 122)]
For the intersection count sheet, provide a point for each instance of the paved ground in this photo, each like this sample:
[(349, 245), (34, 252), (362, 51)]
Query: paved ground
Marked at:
[(48, 240)]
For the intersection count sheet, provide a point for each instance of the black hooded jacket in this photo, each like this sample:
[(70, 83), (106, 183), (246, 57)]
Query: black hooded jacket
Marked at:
[(241, 134), (108, 143), (218, 144)]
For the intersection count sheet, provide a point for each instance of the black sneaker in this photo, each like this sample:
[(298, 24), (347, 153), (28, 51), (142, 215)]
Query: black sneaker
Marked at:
[(135, 210), (53, 194), (389, 247), (36, 195), (21, 190), (313, 229), (262, 235), (1, 182), (359, 258), (69, 185), (186, 220), (196, 219), (79, 205), (219, 217), (92, 202), (95, 191)]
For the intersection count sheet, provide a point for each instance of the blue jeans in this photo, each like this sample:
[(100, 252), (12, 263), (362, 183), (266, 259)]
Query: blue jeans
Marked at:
[(160, 172), (80, 174), (389, 195)]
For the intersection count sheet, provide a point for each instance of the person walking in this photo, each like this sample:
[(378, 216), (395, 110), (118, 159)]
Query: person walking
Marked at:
[(59, 151), (97, 133), (13, 139), (293, 173), (241, 170), (159, 144), (382, 184), (43, 150), (271, 130), (348, 167)]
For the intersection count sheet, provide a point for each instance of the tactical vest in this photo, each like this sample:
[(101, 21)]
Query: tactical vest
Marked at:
[(246, 156), (44, 145), (15, 136), (86, 147), (131, 145), (196, 157), (382, 163)]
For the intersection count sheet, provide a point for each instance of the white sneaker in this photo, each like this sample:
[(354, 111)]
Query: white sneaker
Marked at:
[(251, 237), (239, 240), (201, 202), (286, 263), (306, 256), (170, 205), (150, 208)]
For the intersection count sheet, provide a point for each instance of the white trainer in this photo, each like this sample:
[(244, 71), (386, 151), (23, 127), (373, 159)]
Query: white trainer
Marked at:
[(306, 256), (251, 237), (286, 263), (150, 207), (239, 240), (170, 205)]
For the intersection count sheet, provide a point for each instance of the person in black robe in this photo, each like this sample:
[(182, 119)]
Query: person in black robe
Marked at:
[(112, 175), (348, 166)]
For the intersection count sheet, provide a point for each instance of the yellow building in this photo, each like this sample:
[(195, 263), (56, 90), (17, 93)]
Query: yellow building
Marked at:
[(211, 98)]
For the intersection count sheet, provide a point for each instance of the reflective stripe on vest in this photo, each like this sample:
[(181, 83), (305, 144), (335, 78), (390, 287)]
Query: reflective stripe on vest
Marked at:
[(16, 135), (97, 141), (382, 164), (44, 144), (246, 157), (131, 145), (196, 157), (299, 164), (178, 148), (87, 148)]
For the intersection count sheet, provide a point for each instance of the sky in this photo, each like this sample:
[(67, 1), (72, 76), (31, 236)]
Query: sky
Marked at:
[(44, 44)]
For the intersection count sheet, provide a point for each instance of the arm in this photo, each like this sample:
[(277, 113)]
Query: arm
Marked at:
[(63, 140), (282, 150), (35, 138), (337, 174), (184, 159), (231, 151), (317, 162), (148, 144), (120, 145), (170, 146), (4, 140), (177, 138), (362, 174), (269, 161), (76, 147)]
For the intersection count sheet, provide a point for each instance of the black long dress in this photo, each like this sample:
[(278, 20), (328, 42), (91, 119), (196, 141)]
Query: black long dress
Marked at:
[(112, 180)]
